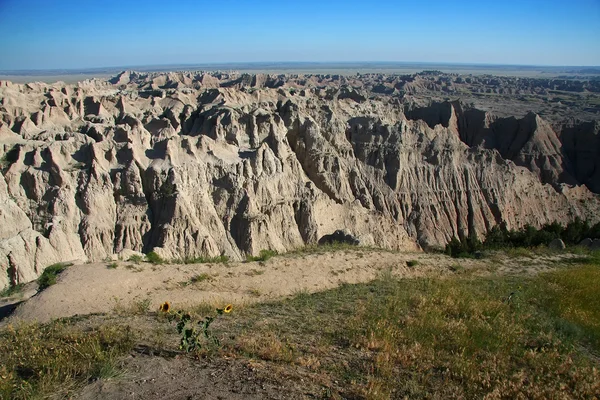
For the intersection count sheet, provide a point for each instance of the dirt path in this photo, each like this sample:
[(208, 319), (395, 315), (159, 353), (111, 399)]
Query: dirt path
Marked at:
[(95, 288)]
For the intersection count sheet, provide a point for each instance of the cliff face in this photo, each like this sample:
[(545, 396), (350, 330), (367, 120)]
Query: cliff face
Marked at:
[(566, 154), (195, 164)]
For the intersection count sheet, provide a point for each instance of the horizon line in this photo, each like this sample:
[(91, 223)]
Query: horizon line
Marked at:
[(75, 70)]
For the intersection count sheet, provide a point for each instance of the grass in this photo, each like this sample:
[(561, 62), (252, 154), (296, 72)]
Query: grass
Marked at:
[(202, 260), (457, 268), (112, 265), (574, 298), (263, 255), (154, 258), (464, 336), (331, 247), (255, 272), (136, 258), (198, 278), (412, 263), (461, 336), (41, 361), (11, 290), (48, 277), (135, 307), (254, 292)]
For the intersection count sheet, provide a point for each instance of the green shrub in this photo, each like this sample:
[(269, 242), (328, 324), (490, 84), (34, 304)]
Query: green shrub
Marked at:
[(11, 290), (464, 247), (154, 258), (195, 334), (412, 263), (200, 278), (48, 277), (576, 231), (203, 260), (135, 258), (264, 255), (527, 237), (113, 265)]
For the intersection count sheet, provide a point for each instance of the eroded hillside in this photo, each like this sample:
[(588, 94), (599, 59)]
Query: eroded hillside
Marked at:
[(191, 164)]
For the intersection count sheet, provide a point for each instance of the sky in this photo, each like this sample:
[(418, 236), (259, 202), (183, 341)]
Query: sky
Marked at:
[(75, 34)]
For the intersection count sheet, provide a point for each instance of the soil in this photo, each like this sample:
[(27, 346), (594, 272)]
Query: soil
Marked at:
[(151, 377), (95, 288)]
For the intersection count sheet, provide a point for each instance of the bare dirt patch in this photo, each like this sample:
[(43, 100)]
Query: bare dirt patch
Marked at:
[(94, 288)]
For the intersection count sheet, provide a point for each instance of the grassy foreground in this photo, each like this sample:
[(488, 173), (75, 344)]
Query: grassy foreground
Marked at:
[(444, 338), (457, 337), (56, 358)]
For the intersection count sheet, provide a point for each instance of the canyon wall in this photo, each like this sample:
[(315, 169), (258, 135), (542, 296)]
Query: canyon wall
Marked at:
[(190, 164)]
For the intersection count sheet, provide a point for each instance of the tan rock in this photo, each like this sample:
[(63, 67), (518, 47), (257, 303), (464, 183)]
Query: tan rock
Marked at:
[(190, 164)]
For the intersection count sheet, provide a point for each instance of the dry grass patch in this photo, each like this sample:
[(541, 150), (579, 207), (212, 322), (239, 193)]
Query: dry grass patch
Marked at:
[(460, 337), (55, 359)]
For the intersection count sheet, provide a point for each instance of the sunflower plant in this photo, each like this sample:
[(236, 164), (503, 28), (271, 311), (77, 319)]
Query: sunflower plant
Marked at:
[(193, 332)]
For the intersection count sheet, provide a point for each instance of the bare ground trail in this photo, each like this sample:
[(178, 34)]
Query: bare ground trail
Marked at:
[(95, 288)]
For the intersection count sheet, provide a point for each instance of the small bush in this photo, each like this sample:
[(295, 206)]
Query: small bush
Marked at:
[(11, 290), (463, 248), (457, 268), (264, 255), (200, 278), (154, 258), (195, 334), (499, 237), (48, 277), (142, 306), (412, 263), (135, 258), (203, 260), (113, 265)]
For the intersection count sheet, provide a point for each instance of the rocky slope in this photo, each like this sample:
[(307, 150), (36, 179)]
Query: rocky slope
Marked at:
[(191, 164)]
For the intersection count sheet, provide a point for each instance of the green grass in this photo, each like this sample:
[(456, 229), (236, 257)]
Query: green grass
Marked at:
[(48, 277), (331, 247), (463, 336), (154, 258), (198, 278), (263, 255), (42, 361), (112, 265), (202, 260), (412, 263), (11, 290), (255, 272), (573, 296), (136, 258)]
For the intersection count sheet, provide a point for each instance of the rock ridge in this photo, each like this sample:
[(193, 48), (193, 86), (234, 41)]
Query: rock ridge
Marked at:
[(193, 163)]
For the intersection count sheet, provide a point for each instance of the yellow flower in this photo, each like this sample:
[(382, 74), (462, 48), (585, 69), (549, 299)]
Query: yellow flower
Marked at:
[(228, 308), (165, 307)]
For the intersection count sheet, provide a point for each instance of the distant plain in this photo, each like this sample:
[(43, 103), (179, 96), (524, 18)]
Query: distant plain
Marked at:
[(334, 68)]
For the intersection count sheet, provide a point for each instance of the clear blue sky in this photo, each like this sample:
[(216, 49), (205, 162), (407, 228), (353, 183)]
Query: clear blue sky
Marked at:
[(46, 34)]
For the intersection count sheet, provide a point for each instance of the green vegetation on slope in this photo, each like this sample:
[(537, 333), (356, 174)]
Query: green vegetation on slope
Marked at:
[(501, 238), (37, 361), (11, 290), (263, 255), (48, 277), (461, 336)]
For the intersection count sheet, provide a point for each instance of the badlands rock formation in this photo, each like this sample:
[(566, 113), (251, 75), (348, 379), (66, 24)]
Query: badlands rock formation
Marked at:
[(190, 164)]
